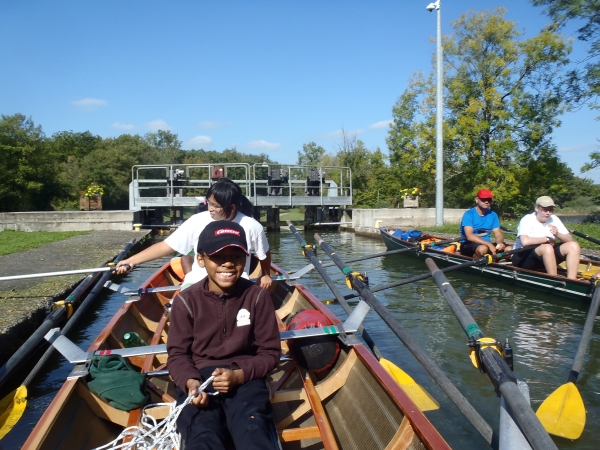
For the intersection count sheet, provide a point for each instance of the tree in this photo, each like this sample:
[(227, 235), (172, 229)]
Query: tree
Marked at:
[(311, 154), (503, 96), (28, 173), (585, 12)]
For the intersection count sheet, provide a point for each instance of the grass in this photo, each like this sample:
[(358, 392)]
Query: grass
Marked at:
[(19, 241), (591, 229)]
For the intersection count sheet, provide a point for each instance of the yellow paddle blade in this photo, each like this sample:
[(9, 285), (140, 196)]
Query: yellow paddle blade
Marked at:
[(417, 394), (11, 409), (563, 412)]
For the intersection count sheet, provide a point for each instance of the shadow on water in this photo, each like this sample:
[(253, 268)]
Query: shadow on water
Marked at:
[(543, 330)]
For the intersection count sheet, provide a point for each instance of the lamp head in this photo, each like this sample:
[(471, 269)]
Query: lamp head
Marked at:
[(431, 7)]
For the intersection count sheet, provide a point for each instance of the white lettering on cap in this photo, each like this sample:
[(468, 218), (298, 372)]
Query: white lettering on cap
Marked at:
[(227, 231)]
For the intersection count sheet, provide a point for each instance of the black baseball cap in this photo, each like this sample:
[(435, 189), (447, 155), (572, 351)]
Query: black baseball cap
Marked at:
[(220, 234)]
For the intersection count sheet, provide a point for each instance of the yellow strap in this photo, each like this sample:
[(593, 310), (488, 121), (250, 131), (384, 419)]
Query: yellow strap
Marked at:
[(353, 275), (63, 304), (485, 342)]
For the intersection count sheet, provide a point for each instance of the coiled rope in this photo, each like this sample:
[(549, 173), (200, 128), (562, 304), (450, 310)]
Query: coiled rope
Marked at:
[(150, 435)]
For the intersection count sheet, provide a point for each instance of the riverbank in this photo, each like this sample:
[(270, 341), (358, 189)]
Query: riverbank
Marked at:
[(23, 302)]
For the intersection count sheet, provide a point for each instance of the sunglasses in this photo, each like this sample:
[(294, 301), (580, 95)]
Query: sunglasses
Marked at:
[(486, 200), (547, 209)]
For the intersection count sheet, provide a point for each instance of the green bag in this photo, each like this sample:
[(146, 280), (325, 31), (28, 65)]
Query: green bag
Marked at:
[(115, 381)]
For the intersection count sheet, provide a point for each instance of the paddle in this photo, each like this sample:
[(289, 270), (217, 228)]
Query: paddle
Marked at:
[(585, 236), (13, 405), (436, 373), (58, 274), (563, 412), (486, 259), (421, 398), (487, 354)]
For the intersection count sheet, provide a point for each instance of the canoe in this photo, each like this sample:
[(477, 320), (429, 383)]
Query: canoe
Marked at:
[(503, 271), (354, 404)]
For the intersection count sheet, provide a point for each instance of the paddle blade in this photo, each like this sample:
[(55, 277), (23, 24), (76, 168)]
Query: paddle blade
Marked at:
[(11, 409), (417, 394), (563, 412)]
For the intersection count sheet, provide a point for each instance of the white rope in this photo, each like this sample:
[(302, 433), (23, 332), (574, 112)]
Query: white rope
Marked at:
[(150, 435)]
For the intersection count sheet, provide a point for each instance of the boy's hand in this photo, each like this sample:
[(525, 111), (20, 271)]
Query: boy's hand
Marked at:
[(226, 379), (202, 399)]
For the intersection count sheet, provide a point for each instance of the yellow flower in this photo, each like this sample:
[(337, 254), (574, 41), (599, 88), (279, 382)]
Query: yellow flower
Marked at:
[(93, 190)]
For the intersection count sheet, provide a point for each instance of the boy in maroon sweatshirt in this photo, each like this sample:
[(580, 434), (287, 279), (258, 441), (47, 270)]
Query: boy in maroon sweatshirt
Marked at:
[(224, 326)]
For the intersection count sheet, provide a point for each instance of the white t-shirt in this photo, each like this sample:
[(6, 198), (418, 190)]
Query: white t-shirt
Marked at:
[(530, 226), (185, 239)]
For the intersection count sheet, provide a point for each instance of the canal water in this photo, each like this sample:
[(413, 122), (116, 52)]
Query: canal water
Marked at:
[(544, 332)]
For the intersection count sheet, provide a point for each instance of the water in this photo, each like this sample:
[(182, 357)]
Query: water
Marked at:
[(544, 333)]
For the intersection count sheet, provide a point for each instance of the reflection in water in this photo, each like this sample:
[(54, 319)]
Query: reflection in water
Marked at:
[(544, 333)]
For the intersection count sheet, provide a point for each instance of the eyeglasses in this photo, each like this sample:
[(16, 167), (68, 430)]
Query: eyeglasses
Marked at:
[(486, 200), (221, 258), (549, 209), (214, 207)]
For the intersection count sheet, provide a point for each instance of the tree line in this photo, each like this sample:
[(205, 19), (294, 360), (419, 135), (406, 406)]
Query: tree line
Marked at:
[(504, 94)]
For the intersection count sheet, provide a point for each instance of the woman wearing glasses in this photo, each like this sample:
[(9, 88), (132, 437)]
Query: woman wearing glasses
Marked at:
[(225, 201), (543, 228)]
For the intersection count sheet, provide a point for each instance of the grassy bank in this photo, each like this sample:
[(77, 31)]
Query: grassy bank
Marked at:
[(19, 241), (591, 229)]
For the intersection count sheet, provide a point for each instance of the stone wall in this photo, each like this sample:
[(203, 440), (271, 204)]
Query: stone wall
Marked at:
[(67, 221)]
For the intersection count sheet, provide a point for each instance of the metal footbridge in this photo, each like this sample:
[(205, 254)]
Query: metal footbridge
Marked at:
[(265, 185)]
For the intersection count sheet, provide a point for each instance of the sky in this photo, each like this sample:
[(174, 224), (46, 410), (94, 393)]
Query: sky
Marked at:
[(263, 76)]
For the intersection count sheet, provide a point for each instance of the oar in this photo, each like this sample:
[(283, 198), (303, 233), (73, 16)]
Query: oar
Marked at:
[(421, 398), (486, 259), (487, 354), (436, 373), (57, 274), (563, 412), (13, 405), (585, 236)]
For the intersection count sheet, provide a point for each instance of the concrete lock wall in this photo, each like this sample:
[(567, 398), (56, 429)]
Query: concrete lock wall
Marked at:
[(67, 221), (402, 217)]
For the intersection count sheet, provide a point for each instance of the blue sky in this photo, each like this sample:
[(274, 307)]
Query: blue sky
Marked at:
[(263, 76)]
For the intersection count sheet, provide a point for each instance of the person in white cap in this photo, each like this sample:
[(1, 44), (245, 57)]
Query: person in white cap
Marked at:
[(542, 227)]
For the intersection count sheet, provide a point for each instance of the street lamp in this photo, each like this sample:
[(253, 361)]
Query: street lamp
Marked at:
[(439, 144)]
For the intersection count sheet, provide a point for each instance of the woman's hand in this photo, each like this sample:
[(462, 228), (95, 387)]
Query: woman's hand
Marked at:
[(265, 281), (124, 267)]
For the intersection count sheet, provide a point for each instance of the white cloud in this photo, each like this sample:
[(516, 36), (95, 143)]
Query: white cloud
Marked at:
[(261, 144), (578, 148), (89, 104), (123, 126), (338, 134), (212, 124), (381, 124), (158, 124), (198, 142)]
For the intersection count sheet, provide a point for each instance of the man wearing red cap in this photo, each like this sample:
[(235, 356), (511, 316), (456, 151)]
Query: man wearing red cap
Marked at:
[(476, 227)]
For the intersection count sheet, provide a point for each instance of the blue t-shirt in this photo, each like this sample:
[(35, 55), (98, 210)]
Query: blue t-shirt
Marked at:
[(471, 218)]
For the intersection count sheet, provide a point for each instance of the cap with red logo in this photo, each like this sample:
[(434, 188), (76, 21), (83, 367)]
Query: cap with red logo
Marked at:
[(485, 193), (220, 234)]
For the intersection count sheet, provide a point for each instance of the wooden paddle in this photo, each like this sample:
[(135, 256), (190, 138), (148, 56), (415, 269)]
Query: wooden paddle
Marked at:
[(421, 398), (563, 412), (488, 355), (428, 364)]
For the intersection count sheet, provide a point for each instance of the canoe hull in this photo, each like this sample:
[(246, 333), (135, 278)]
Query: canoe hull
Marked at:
[(503, 272), (354, 405)]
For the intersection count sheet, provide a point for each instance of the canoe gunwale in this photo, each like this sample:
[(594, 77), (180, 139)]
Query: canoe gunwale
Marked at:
[(558, 285)]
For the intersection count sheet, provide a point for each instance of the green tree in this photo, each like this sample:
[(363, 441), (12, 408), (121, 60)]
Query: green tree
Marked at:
[(28, 173), (311, 154), (503, 95), (164, 148)]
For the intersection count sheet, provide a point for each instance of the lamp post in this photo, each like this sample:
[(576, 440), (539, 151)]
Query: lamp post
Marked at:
[(439, 144)]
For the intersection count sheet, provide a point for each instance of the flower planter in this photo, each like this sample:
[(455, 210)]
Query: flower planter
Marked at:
[(411, 202), (90, 203)]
